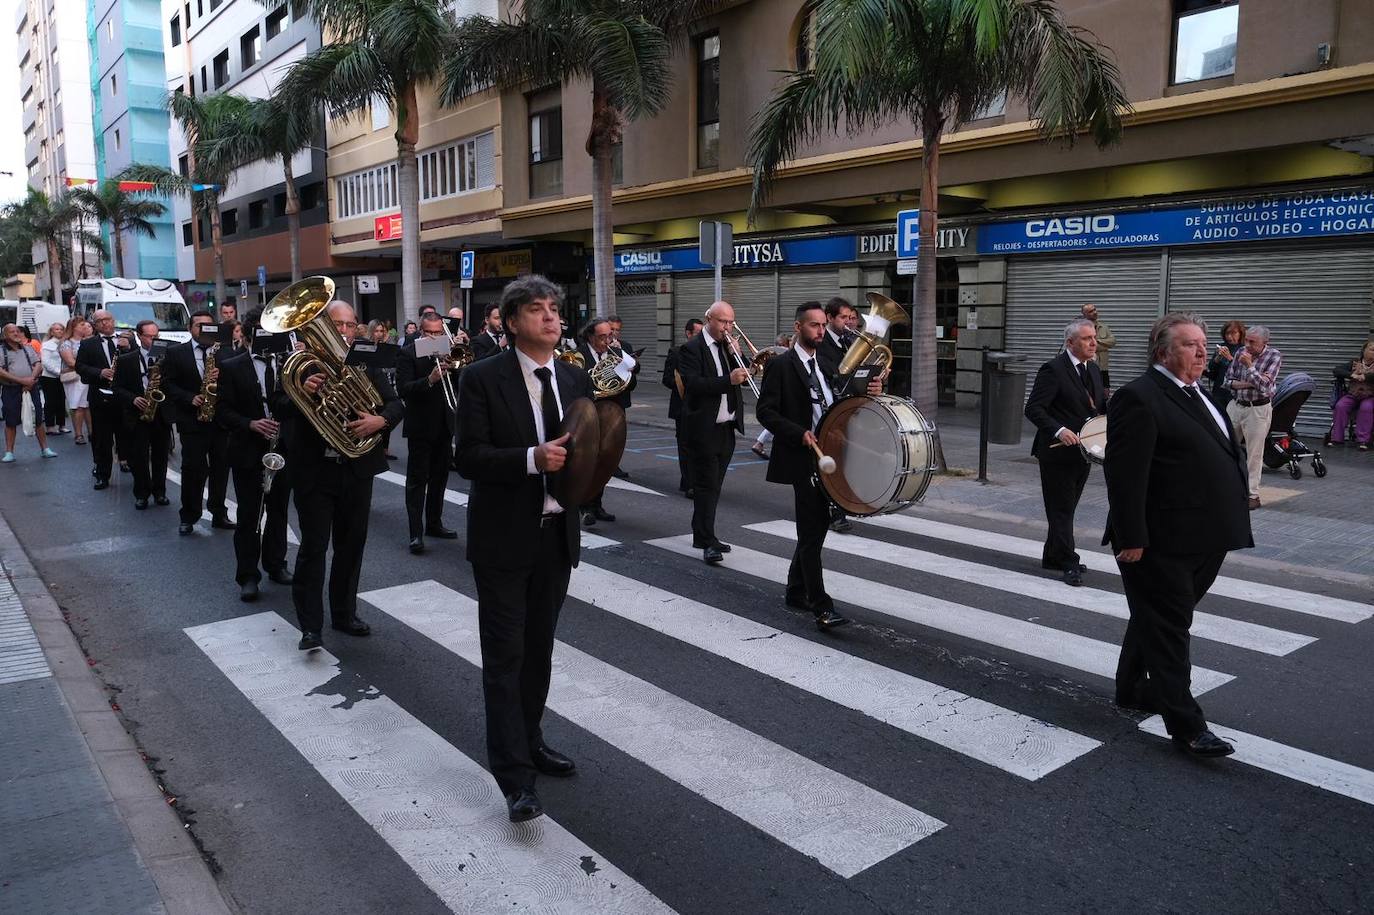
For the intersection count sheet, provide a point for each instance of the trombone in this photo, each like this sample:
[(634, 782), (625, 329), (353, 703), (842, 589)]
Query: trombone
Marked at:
[(756, 361), (459, 355)]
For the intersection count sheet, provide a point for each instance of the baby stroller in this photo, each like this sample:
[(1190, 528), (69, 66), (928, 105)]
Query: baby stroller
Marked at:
[(1282, 446)]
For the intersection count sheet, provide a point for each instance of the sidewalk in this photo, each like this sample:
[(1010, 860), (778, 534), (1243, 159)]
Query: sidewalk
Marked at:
[(83, 824), (1311, 527)]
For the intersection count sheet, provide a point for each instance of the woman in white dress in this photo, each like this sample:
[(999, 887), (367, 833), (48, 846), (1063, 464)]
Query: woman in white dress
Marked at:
[(78, 329)]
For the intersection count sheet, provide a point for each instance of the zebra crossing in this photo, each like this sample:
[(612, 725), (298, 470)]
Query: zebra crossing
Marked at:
[(441, 813)]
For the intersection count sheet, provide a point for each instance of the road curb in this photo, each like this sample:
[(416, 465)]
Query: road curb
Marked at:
[(182, 877)]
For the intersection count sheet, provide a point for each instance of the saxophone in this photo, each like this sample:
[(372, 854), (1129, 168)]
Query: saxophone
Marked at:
[(153, 393), (209, 390)]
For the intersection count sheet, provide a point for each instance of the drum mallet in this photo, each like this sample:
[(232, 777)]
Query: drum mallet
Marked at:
[(824, 462)]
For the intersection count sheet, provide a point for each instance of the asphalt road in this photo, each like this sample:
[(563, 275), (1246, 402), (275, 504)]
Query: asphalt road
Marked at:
[(953, 750)]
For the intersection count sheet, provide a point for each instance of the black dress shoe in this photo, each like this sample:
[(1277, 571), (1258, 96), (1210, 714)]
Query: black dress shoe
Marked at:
[(690, 493), (248, 592), (161, 500), (602, 515), (1073, 577), (710, 555), (1205, 744), (140, 504), (310, 641), (441, 533), (417, 545), (281, 577), (524, 805), (588, 519), (723, 547), (222, 522), (829, 619), (101, 484), (352, 626), (185, 528), (621, 474), (841, 526), (551, 762)]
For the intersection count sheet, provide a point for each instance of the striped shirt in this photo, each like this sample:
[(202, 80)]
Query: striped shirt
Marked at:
[(1257, 381)]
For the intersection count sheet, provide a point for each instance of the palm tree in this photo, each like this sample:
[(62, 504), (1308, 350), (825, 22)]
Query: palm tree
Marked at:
[(382, 51), (48, 221), (937, 64), (274, 128), (122, 212), (622, 48), (204, 121)]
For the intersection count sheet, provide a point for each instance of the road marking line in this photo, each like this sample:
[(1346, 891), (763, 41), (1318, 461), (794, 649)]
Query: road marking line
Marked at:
[(614, 483), (1290, 762), (1209, 626), (842, 823), (231, 507), (1010, 741), (437, 808), (1031, 639), (1333, 608)]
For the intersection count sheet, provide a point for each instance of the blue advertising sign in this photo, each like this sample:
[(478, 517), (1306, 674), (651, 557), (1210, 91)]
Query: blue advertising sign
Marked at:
[(908, 233), (467, 267), (262, 275), (782, 253), (1313, 215)]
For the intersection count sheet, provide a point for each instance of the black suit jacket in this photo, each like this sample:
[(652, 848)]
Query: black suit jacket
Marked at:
[(128, 385), (704, 387), (306, 446), (495, 431), (590, 358), (670, 382), (91, 360), (183, 382), (1175, 482), (829, 354), (1058, 399), (785, 410), (240, 402), (427, 414), (483, 346)]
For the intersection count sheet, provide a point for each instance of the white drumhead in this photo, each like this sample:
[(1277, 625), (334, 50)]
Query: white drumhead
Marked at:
[(871, 454)]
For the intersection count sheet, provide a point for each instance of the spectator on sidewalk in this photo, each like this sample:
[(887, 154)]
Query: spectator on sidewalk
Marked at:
[(1232, 339), (54, 398), (73, 388), (1105, 341), (1358, 399), (20, 369), (1253, 378)]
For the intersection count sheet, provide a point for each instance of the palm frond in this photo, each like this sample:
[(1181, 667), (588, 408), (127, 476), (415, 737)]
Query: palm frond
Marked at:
[(629, 60), (343, 77), (504, 54)]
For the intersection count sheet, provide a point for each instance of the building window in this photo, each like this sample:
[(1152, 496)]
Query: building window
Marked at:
[(276, 21), (806, 37), (221, 63), (381, 112), (114, 84), (257, 214), (176, 31), (1204, 39), (312, 196), (371, 190), (279, 206), (546, 143), (187, 10), (109, 30), (184, 165), (187, 238), (708, 102), (457, 168), (215, 4), (993, 109), (250, 47), (228, 222), (203, 84), (117, 139)]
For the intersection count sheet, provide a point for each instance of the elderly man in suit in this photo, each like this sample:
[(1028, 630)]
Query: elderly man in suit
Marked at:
[(428, 430), (147, 442), (1176, 483), (522, 543), (1068, 390)]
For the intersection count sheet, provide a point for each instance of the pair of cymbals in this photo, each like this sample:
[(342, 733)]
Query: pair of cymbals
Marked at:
[(595, 445)]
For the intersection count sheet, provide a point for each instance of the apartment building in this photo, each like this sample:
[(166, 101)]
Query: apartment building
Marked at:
[(54, 85), (129, 114), (1242, 188)]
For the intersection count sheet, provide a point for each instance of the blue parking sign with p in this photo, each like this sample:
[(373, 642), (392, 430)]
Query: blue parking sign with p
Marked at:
[(908, 233), (468, 266)]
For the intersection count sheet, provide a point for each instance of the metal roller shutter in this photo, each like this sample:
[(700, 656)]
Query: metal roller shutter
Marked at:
[(754, 296), (1316, 302), (637, 306), (803, 286), (691, 297), (1045, 293)]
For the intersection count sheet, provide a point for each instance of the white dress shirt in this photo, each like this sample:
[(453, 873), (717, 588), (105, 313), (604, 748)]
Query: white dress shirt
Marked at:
[(535, 388), (723, 413), (809, 362), (1207, 401)]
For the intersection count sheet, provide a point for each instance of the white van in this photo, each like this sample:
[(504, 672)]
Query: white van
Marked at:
[(131, 301)]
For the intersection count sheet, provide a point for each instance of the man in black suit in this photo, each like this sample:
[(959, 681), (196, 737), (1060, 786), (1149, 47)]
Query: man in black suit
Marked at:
[(204, 445), (840, 321), (428, 431), (1178, 502), (794, 394), (95, 362), (671, 381), (597, 337), (146, 444), (713, 413), (620, 345), (491, 340), (1068, 390), (521, 542), (249, 401)]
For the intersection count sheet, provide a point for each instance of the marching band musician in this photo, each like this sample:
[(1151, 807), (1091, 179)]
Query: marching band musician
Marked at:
[(712, 414), (333, 495), (596, 343), (250, 400), (619, 345), (147, 443), (491, 340), (521, 543), (428, 430), (670, 381), (95, 365), (841, 319), (204, 445)]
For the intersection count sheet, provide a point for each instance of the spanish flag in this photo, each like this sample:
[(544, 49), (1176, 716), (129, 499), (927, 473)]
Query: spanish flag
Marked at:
[(136, 185)]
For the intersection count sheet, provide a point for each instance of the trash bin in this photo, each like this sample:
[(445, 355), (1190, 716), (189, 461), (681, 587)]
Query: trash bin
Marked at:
[(1006, 394)]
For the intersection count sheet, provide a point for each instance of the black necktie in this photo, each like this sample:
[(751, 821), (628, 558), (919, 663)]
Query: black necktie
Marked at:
[(1087, 384), (732, 398), (548, 407), (110, 350)]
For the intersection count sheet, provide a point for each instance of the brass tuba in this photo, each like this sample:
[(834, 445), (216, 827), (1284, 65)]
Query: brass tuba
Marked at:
[(869, 347), (347, 392)]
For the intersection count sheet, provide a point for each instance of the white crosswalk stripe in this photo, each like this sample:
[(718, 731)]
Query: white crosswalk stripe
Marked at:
[(1031, 639), (1010, 741), (1333, 608), (437, 808), (1094, 600), (843, 824)]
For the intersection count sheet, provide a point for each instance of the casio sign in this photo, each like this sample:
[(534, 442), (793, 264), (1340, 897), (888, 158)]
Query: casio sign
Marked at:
[(1071, 225), (641, 259)]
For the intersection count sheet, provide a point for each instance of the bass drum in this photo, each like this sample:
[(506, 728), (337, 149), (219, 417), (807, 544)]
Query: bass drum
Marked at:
[(884, 453)]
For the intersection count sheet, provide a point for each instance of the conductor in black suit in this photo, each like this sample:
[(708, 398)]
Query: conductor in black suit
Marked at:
[(712, 414), (1068, 391), (333, 496), (671, 380), (250, 400), (428, 431), (95, 364), (147, 443), (1176, 484), (204, 445), (521, 542)]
